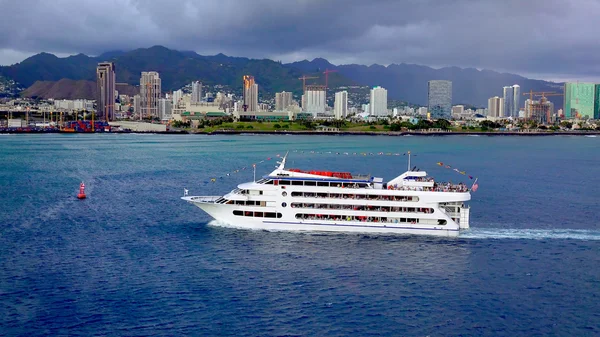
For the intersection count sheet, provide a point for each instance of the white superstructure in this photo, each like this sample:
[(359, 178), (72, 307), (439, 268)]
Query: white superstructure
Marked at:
[(291, 199)]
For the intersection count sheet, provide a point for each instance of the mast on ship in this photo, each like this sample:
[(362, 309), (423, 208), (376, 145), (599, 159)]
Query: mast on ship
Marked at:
[(282, 162), (408, 160)]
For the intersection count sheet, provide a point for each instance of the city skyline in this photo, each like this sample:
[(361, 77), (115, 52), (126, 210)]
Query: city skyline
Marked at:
[(425, 33)]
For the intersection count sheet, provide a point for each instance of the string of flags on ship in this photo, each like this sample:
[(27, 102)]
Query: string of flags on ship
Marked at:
[(278, 156)]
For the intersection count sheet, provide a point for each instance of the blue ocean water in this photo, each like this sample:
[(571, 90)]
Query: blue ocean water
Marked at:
[(133, 259)]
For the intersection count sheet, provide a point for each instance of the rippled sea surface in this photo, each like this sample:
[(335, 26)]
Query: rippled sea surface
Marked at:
[(133, 259)]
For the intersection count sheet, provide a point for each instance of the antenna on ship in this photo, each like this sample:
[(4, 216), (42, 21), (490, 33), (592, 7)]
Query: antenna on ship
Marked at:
[(282, 163), (409, 160)]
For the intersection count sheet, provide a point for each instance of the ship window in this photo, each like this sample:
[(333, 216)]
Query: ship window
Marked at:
[(442, 222), (284, 182), (238, 213), (258, 214), (279, 215), (283, 204), (284, 193), (296, 194), (297, 183), (310, 183), (323, 183), (270, 182), (269, 215)]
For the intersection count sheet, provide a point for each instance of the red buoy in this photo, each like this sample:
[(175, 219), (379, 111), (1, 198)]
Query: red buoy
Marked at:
[(81, 194)]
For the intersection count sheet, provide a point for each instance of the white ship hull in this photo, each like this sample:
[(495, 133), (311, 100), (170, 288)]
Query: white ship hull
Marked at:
[(224, 213), (294, 200)]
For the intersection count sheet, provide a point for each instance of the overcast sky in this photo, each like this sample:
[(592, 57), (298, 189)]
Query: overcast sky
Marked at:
[(547, 39)]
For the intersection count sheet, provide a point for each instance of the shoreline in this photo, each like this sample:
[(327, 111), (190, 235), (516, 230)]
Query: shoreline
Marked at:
[(326, 133)]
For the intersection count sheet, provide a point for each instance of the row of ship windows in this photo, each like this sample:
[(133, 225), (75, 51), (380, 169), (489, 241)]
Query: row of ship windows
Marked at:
[(247, 203), (316, 183), (330, 217), (364, 208), (257, 214), (354, 196)]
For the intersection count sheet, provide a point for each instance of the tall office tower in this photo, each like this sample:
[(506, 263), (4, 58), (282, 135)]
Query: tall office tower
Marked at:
[(250, 94), (177, 96), (340, 105), (315, 99), (508, 96), (105, 100), (137, 104), (579, 99), (164, 108), (516, 100), (283, 100), (378, 102), (439, 98), (196, 92), (150, 91), (496, 107)]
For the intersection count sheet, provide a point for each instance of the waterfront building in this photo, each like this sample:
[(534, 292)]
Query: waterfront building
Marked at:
[(512, 99), (340, 105), (496, 107), (315, 99), (250, 93), (150, 93), (196, 92), (164, 108), (177, 96), (540, 111), (283, 100), (137, 104), (579, 99), (105, 82), (457, 111), (439, 98), (378, 102), (597, 101)]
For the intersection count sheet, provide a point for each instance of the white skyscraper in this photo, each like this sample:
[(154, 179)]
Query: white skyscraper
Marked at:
[(512, 100), (283, 100), (340, 106), (177, 96), (496, 107), (315, 99), (196, 92), (164, 108), (150, 92), (378, 102), (516, 100)]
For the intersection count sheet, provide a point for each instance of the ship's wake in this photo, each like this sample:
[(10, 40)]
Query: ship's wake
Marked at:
[(530, 234)]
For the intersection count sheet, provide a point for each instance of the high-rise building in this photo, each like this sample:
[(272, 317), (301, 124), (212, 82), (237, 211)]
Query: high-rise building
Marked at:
[(378, 102), (150, 92), (283, 100), (177, 96), (512, 99), (597, 101), (315, 99), (164, 108), (196, 92), (540, 111), (137, 104), (340, 105), (439, 98), (579, 99), (496, 107), (250, 94), (105, 81)]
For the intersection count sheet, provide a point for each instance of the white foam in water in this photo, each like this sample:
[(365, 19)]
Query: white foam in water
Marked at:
[(531, 234)]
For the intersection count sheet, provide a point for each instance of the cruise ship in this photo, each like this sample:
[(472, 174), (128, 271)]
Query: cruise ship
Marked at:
[(297, 200)]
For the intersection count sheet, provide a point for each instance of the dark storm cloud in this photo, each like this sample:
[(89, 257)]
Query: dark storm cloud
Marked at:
[(552, 38)]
